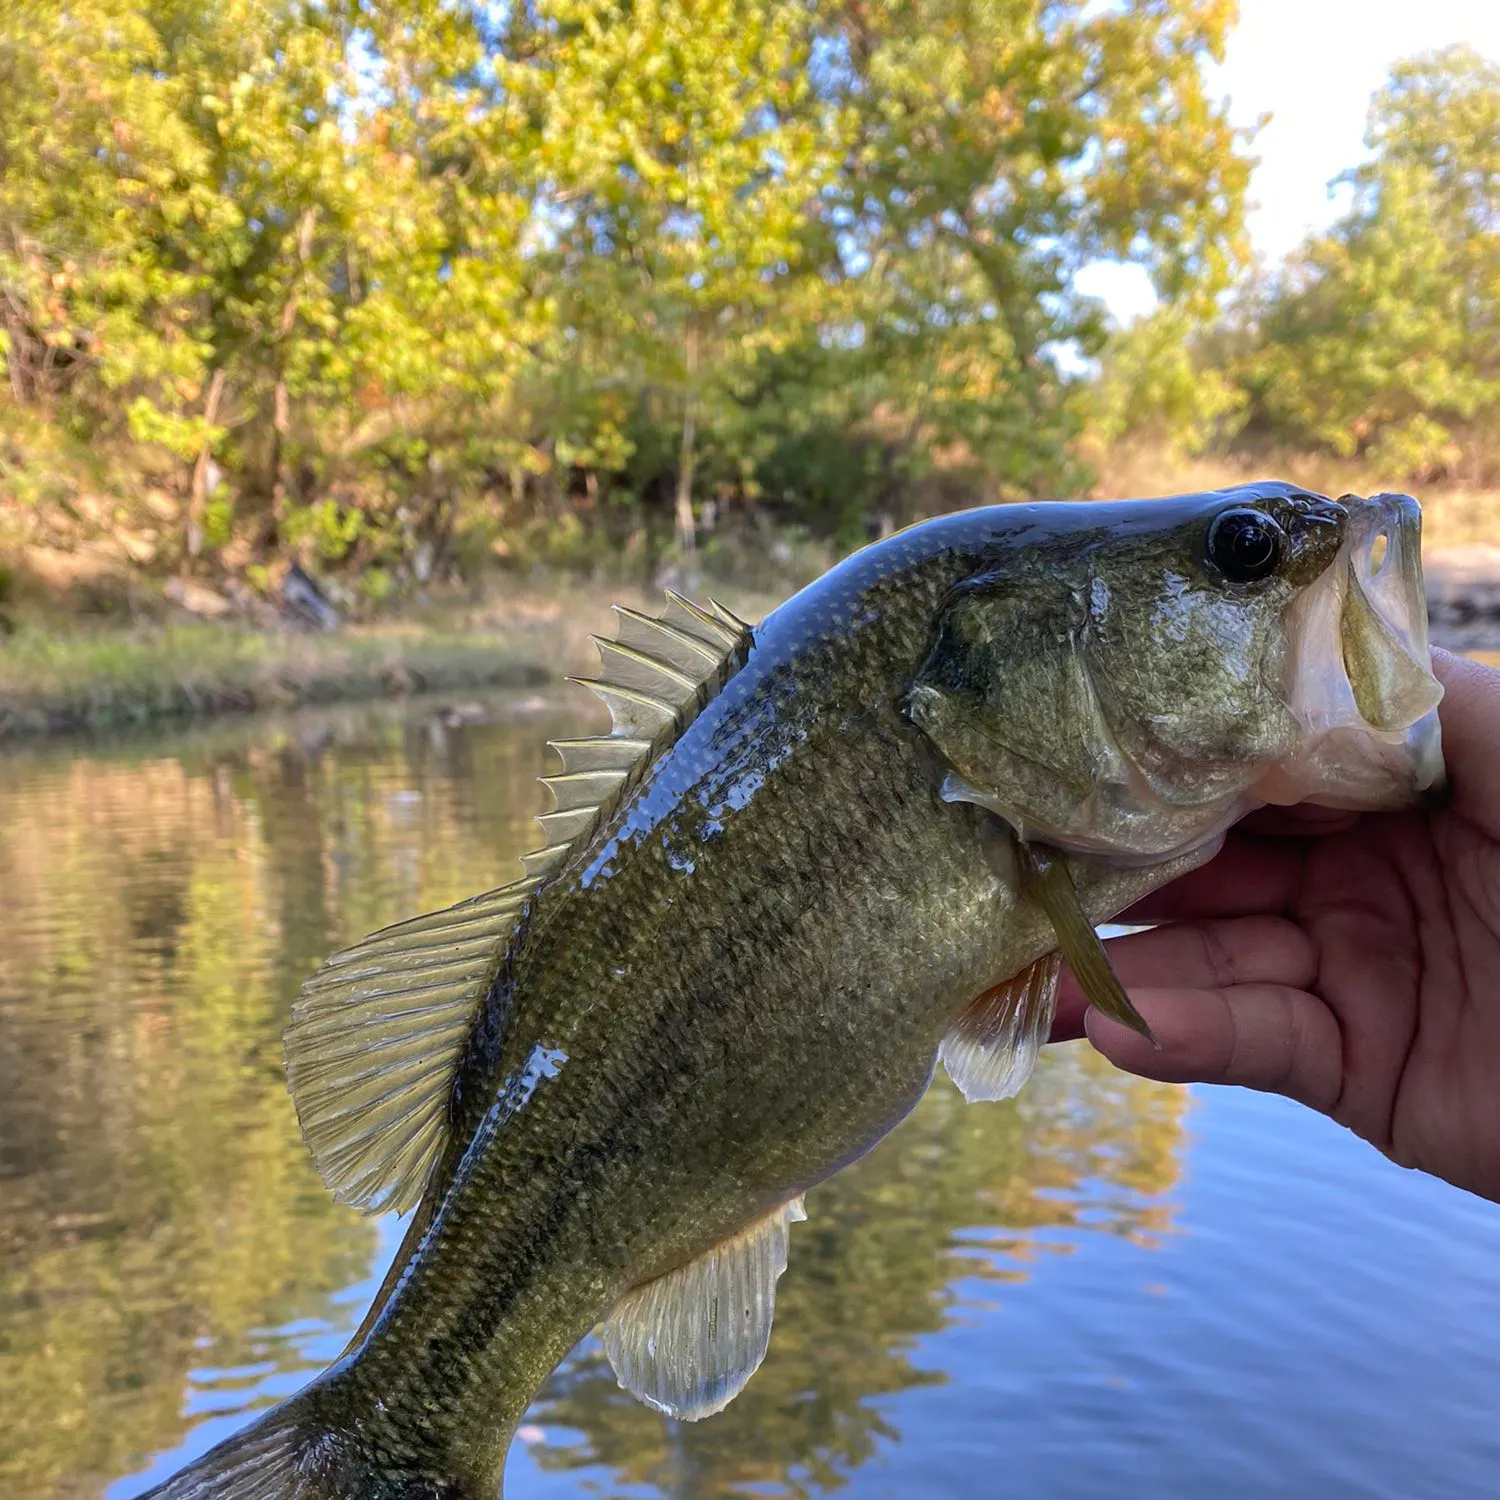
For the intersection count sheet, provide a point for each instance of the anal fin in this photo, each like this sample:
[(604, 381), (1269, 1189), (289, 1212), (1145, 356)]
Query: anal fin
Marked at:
[(993, 1047), (687, 1342)]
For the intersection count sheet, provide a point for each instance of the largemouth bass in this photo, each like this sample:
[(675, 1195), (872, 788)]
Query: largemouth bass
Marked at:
[(812, 858)]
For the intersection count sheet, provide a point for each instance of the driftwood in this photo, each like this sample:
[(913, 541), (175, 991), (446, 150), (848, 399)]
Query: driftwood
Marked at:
[(301, 595)]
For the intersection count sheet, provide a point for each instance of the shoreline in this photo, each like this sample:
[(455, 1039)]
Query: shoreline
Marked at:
[(67, 679), (80, 681), (1463, 598), (255, 682)]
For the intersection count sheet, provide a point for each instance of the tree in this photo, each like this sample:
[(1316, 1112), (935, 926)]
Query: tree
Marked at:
[(682, 151), (993, 149), (1382, 336), (1162, 385), (370, 263)]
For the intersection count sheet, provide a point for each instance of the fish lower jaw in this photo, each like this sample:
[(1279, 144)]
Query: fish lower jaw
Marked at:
[(1152, 834), (1362, 769)]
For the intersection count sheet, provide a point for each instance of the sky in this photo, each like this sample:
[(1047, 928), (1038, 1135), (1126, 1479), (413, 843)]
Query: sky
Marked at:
[(1312, 64)]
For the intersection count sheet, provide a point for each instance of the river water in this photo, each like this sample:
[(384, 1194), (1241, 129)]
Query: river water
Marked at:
[(1108, 1287)]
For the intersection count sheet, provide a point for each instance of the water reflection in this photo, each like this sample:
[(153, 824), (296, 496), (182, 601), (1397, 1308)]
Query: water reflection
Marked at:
[(872, 1270), (170, 1261)]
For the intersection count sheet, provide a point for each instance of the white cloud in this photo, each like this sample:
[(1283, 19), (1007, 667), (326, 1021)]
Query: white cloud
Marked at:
[(1312, 64)]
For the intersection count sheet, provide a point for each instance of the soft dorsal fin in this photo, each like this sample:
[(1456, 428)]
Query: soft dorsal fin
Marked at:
[(687, 1342), (377, 1034), (993, 1046), (374, 1042)]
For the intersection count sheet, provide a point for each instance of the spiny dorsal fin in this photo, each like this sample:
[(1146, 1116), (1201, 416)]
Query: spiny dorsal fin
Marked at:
[(688, 1342), (375, 1039), (993, 1046), (655, 678)]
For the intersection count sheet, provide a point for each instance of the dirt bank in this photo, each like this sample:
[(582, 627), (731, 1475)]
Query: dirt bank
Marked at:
[(1463, 597)]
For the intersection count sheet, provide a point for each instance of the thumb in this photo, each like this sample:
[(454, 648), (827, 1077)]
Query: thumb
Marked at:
[(1261, 1036)]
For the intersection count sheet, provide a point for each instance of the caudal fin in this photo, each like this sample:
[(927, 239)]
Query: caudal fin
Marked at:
[(292, 1454), (263, 1462)]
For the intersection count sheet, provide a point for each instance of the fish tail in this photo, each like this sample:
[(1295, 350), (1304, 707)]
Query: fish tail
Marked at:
[(291, 1454), (262, 1462)]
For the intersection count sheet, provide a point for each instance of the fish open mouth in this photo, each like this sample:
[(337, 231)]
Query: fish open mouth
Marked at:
[(1361, 680)]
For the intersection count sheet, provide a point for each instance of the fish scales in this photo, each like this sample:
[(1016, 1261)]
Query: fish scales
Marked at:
[(713, 931), (919, 778)]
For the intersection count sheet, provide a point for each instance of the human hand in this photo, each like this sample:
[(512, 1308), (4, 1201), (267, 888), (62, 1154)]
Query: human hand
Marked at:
[(1348, 961)]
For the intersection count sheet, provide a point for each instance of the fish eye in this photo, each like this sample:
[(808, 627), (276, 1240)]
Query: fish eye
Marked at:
[(1244, 545)]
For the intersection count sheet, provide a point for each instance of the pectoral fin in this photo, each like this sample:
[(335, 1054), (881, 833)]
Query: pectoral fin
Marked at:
[(1046, 880), (993, 1047), (687, 1342)]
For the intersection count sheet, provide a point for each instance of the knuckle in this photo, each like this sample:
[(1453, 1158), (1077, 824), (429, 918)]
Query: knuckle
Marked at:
[(1218, 960)]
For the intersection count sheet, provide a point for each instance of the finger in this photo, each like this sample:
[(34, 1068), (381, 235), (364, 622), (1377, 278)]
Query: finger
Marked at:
[(1247, 875), (1470, 715), (1198, 956), (1301, 820), (1271, 1037)]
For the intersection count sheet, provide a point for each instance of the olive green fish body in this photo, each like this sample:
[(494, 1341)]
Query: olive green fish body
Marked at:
[(742, 978), (739, 987)]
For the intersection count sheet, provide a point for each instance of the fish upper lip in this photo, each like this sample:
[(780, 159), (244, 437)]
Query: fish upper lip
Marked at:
[(1394, 588)]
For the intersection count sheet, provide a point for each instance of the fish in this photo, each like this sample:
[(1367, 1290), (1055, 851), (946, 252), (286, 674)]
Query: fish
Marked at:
[(813, 860)]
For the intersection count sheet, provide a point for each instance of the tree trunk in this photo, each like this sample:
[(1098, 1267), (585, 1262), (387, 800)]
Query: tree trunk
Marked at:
[(281, 422), (686, 531), (281, 419), (198, 497)]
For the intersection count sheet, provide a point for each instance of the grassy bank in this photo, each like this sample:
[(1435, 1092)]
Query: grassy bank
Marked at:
[(59, 673), (62, 677), (100, 680)]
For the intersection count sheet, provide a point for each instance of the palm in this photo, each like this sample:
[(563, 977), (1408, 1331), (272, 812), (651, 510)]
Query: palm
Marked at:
[(1405, 915), (1351, 963)]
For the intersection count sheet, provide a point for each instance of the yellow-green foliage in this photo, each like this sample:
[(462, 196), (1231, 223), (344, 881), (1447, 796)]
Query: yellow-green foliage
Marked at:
[(1154, 387), (397, 270), (393, 286), (1378, 340), (1383, 336)]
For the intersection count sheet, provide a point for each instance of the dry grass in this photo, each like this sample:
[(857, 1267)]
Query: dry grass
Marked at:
[(1454, 517), (73, 678)]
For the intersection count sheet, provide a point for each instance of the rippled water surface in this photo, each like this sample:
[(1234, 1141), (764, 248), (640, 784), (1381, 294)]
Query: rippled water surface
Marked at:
[(1110, 1287)]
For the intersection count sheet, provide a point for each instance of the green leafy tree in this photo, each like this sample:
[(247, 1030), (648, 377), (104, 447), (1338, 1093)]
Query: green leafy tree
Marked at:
[(683, 148), (163, 177), (1162, 385), (352, 279), (993, 149), (1382, 337)]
